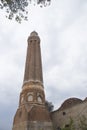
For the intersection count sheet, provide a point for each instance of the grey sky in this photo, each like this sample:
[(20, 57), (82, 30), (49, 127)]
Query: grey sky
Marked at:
[(62, 28)]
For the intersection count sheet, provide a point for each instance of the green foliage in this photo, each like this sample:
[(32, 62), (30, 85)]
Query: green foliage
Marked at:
[(83, 123), (49, 106), (18, 8), (70, 126)]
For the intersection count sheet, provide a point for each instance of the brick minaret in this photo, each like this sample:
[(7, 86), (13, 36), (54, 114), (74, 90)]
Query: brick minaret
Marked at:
[(33, 68), (32, 113)]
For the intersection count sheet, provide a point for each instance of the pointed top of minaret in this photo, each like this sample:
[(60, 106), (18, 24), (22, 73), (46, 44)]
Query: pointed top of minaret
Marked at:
[(34, 33), (33, 36)]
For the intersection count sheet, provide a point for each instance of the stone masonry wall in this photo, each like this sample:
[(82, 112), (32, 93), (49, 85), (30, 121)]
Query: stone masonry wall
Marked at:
[(61, 118)]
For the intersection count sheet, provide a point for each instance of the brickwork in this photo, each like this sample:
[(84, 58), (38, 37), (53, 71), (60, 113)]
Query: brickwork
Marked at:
[(35, 125), (33, 68), (35, 93), (32, 113)]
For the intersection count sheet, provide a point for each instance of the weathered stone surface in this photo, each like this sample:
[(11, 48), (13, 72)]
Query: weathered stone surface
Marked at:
[(33, 125), (32, 113), (33, 68), (62, 116)]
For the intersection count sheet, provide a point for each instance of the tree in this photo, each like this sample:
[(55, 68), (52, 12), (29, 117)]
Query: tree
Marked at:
[(18, 8), (49, 106)]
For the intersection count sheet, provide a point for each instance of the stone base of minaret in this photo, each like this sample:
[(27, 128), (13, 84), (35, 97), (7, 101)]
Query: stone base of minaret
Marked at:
[(33, 126), (34, 118)]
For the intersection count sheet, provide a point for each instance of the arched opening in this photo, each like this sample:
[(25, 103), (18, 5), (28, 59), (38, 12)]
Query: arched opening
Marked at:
[(30, 97), (39, 99)]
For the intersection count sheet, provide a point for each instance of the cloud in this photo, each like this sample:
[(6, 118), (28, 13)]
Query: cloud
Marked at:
[(67, 53)]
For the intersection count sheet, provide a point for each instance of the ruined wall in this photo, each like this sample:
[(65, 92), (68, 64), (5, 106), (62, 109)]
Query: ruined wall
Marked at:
[(61, 117)]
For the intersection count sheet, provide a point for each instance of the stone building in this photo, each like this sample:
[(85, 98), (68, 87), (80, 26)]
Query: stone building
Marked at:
[(32, 113), (72, 109)]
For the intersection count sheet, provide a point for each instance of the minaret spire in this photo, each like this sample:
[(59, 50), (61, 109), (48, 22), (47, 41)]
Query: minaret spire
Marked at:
[(33, 67), (32, 113)]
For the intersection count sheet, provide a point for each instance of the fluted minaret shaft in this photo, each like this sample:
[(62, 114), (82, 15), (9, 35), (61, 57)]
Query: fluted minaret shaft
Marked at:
[(33, 67), (32, 113)]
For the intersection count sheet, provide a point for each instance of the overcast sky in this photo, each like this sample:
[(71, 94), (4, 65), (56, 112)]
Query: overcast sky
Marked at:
[(62, 28)]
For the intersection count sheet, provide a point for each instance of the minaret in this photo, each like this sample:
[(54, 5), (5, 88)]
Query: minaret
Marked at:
[(33, 68), (32, 113)]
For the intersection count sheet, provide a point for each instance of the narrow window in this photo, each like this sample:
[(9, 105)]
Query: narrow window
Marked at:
[(67, 125), (64, 113), (39, 99), (30, 98)]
